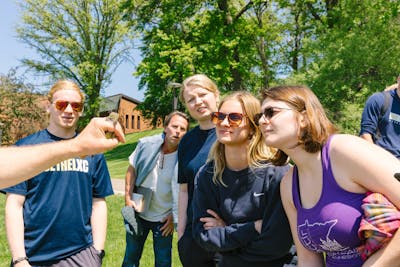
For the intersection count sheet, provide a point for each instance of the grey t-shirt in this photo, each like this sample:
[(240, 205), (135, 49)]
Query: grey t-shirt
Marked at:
[(160, 181)]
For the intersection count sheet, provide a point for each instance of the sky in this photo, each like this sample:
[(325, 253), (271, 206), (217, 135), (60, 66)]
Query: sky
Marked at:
[(12, 50)]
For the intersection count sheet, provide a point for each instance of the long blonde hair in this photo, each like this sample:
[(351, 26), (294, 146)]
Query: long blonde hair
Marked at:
[(257, 152)]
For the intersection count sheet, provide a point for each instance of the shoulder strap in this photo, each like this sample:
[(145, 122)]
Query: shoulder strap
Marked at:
[(296, 188), (384, 108), (386, 104)]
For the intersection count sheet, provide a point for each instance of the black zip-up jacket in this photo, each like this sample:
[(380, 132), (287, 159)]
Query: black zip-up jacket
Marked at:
[(249, 195)]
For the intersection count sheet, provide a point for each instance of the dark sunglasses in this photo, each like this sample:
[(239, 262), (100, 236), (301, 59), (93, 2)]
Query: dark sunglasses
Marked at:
[(61, 105), (234, 118), (268, 113)]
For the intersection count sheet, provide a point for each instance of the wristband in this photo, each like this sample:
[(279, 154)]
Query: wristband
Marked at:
[(18, 260), (102, 253)]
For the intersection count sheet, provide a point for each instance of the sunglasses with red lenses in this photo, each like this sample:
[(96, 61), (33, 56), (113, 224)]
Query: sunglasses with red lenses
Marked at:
[(235, 119), (61, 105)]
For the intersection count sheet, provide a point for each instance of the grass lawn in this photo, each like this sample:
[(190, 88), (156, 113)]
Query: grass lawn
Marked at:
[(117, 161)]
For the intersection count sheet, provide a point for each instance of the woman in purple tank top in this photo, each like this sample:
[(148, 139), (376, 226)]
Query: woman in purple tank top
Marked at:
[(322, 194)]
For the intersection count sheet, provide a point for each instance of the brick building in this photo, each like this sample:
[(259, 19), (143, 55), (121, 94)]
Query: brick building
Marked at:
[(130, 118)]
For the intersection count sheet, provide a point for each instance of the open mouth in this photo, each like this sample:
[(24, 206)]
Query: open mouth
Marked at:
[(202, 109)]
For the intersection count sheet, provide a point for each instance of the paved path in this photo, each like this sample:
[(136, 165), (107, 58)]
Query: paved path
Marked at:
[(118, 186)]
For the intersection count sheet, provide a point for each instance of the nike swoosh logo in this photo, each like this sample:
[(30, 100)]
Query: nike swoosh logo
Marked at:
[(258, 194)]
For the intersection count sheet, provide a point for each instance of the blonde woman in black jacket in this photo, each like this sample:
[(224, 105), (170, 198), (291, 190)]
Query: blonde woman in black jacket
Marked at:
[(237, 210)]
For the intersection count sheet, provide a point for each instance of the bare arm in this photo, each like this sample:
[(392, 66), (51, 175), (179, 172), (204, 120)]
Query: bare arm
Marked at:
[(175, 196), (99, 222), (387, 256), (365, 167), (367, 137), (182, 207), (130, 179), (21, 163), (306, 258), (371, 169), (15, 226)]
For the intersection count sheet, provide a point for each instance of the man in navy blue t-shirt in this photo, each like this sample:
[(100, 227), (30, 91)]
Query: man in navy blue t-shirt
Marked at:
[(59, 217), (380, 122)]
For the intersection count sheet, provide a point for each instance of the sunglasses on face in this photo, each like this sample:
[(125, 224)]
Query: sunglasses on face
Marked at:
[(235, 119), (61, 105), (268, 113)]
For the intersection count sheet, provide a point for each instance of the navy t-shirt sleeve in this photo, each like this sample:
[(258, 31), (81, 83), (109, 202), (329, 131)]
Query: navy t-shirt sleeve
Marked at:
[(193, 152), (181, 156), (220, 239), (371, 113), (102, 186), (19, 189)]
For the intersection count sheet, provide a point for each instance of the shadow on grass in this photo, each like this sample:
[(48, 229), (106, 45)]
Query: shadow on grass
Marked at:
[(121, 152)]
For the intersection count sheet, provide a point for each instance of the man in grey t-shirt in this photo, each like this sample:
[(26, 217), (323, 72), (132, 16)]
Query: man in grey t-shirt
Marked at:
[(153, 166)]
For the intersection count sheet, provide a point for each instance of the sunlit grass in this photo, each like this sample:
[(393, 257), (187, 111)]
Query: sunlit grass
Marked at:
[(117, 159)]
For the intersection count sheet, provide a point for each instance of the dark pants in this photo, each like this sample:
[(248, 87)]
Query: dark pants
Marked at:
[(162, 245), (192, 255)]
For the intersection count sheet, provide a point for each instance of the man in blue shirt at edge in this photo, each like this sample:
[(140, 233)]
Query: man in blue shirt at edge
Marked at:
[(59, 217), (380, 122)]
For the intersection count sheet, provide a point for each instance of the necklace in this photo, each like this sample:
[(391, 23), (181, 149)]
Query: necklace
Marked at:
[(161, 160)]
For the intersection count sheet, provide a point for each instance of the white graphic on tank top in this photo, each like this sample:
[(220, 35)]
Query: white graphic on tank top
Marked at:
[(310, 233)]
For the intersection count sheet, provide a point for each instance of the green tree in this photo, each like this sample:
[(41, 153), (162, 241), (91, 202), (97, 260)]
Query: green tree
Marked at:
[(344, 50), (21, 109), (354, 56), (84, 40), (224, 39)]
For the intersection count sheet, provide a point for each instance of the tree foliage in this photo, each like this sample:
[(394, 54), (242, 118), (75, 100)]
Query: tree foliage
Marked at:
[(357, 56), (84, 40), (224, 39), (344, 50), (22, 110)]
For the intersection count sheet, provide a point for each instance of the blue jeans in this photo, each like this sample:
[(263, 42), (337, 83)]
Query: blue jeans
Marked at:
[(162, 245)]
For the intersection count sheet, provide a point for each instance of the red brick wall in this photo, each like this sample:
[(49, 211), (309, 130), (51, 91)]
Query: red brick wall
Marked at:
[(132, 119)]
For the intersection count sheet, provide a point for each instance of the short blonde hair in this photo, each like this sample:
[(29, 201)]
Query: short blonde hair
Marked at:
[(65, 85), (200, 80)]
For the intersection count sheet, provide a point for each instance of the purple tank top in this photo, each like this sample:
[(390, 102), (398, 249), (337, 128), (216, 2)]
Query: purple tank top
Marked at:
[(331, 225)]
